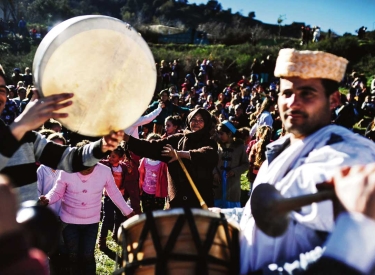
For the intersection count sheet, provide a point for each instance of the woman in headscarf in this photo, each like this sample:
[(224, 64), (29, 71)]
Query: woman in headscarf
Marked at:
[(197, 151)]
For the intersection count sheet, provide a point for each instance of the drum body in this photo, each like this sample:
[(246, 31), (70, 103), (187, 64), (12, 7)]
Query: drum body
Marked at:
[(105, 63), (179, 241)]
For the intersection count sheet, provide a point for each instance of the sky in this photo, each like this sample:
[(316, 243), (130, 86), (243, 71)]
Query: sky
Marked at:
[(340, 16)]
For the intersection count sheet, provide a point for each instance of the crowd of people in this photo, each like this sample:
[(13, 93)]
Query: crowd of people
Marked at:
[(286, 125)]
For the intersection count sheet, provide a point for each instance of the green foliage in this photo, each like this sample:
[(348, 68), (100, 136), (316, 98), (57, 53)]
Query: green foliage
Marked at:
[(236, 40), (245, 183)]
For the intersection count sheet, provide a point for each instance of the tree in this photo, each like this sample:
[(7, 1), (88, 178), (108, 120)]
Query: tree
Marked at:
[(279, 21), (213, 5), (251, 15)]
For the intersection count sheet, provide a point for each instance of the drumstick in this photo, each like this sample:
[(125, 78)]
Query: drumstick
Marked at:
[(201, 201)]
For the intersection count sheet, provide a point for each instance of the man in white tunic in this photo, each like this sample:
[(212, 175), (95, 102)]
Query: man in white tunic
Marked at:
[(311, 152)]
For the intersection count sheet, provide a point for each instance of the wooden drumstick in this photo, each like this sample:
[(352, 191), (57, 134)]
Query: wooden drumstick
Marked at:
[(201, 201)]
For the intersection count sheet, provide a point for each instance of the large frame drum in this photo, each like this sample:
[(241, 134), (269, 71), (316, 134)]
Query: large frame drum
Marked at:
[(105, 63), (179, 241)]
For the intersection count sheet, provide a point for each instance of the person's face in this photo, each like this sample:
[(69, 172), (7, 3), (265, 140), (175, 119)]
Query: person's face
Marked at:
[(114, 158), (238, 111), (196, 123), (164, 97), (3, 94), (223, 137), (22, 94), (170, 129), (88, 171), (175, 100), (304, 106), (145, 130), (11, 94)]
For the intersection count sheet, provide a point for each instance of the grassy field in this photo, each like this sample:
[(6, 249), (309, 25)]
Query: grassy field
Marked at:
[(104, 264)]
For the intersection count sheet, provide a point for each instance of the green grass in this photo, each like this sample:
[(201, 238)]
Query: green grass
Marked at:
[(104, 264)]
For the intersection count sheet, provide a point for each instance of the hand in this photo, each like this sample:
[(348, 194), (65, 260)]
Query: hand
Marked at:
[(168, 151), (161, 104), (230, 174), (8, 207), (38, 111), (43, 200), (214, 209), (112, 140), (355, 188), (217, 179)]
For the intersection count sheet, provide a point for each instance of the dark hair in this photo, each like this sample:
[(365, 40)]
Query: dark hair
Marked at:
[(175, 120), (165, 91), (153, 136), (50, 123), (21, 89), (119, 151), (244, 132), (330, 86), (236, 136)]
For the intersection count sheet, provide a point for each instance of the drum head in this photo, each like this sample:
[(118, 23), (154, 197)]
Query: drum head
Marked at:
[(105, 63)]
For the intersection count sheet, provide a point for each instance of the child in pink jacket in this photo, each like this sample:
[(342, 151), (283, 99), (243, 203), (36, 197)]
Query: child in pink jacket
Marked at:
[(153, 182), (81, 195)]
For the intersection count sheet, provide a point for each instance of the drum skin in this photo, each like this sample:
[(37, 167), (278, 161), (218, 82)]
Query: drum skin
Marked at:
[(105, 63), (184, 257)]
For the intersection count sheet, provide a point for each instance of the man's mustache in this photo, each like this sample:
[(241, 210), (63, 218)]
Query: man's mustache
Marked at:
[(296, 112)]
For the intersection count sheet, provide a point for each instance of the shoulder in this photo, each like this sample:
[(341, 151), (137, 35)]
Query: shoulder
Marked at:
[(102, 167), (343, 145)]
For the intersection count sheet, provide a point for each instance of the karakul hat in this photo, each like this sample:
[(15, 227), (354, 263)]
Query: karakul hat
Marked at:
[(310, 64)]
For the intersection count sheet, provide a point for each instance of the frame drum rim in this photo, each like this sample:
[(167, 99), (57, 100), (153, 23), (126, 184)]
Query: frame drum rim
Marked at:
[(137, 219)]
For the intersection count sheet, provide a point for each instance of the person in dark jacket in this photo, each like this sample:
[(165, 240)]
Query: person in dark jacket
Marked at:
[(197, 151)]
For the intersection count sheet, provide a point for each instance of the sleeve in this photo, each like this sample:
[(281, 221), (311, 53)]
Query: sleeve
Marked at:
[(148, 118), (244, 162), (353, 242), (268, 120), (182, 109), (8, 144), (115, 195), (58, 190), (152, 107), (69, 159), (207, 155), (152, 149), (40, 181)]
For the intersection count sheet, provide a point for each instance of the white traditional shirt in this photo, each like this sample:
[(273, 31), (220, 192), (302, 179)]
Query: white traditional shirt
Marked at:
[(294, 170)]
